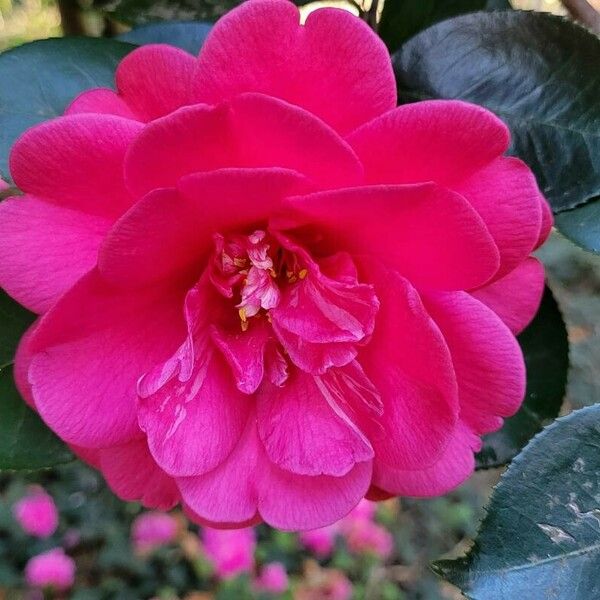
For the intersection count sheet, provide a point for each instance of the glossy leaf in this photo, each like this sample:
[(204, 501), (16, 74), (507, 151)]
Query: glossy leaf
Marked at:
[(546, 351), (25, 441), (41, 78), (188, 35), (401, 19), (536, 71), (582, 225), (540, 537)]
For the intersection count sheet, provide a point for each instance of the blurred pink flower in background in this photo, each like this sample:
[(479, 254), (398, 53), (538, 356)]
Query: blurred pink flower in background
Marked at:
[(319, 541), (36, 513), (273, 579), (362, 534), (51, 569), (324, 584), (231, 551), (3, 185), (153, 529)]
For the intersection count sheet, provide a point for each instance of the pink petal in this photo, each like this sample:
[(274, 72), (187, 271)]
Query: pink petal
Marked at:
[(507, 197), (487, 359), (429, 234), (156, 79), (76, 161), (188, 406), (302, 431), (516, 297), (23, 358), (248, 482), (193, 425), (409, 363), (101, 101), (45, 249), (89, 351), (453, 468), (547, 222), (334, 65), (168, 233), (438, 140), (248, 131), (132, 474), (245, 353)]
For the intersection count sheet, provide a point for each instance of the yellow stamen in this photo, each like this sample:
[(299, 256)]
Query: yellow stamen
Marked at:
[(242, 313), (240, 262), (303, 273)]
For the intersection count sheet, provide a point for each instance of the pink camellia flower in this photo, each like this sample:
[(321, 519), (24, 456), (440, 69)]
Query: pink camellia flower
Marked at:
[(273, 579), (52, 569), (36, 513), (362, 534), (320, 541), (264, 290), (153, 529), (231, 551)]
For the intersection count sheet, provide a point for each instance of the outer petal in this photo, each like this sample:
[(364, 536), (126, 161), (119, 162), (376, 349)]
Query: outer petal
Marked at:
[(455, 466), (516, 297), (90, 350), (438, 140), (168, 233), (507, 197), (248, 131), (101, 101), (334, 65), (302, 433), (23, 358), (429, 234), (133, 475), (409, 363), (547, 222), (487, 359), (76, 161), (155, 80), (45, 248), (247, 483)]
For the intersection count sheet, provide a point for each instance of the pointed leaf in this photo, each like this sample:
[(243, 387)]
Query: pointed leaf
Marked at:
[(540, 538)]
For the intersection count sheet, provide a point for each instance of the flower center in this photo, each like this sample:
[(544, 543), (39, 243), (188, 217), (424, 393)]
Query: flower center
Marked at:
[(254, 268)]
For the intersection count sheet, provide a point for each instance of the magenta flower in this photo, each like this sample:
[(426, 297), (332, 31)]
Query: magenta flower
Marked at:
[(282, 292), (52, 569), (36, 513), (273, 579), (153, 529), (320, 541), (231, 551)]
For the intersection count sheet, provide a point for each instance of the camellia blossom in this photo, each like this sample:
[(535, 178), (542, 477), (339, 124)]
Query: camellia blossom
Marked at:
[(320, 541), (153, 529), (231, 551), (273, 579), (264, 290), (36, 513), (52, 569)]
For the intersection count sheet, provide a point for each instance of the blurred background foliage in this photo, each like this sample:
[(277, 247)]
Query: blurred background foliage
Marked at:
[(95, 526)]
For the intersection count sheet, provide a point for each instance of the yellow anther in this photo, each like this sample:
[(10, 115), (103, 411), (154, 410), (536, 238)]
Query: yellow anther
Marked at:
[(240, 262), (242, 313), (244, 325), (303, 273)]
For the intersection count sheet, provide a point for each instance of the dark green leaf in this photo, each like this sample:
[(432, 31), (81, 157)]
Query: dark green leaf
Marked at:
[(25, 442), (401, 19), (14, 320), (582, 225), (540, 538), (41, 78), (546, 350), (538, 72), (188, 35)]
